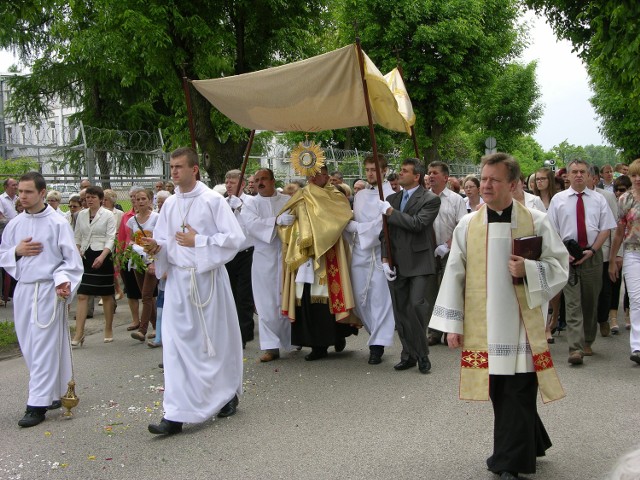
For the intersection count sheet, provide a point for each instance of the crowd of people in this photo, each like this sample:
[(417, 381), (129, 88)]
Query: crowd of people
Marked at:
[(318, 260)]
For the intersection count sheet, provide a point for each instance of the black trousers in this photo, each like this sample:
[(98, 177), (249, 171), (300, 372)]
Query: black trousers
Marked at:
[(411, 310), (518, 434), (239, 270), (315, 325), (604, 299)]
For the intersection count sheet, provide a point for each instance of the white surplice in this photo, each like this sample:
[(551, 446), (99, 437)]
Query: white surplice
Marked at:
[(202, 347), (259, 214), (39, 316), (509, 351), (370, 286)]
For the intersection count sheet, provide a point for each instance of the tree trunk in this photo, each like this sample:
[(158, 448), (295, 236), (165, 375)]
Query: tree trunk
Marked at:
[(218, 157), (431, 154), (105, 168)]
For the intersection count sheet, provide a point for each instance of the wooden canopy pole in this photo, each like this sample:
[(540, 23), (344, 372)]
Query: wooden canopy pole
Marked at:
[(413, 132), (244, 161), (374, 147)]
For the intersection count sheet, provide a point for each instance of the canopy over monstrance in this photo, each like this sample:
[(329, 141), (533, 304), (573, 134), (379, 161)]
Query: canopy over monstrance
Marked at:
[(320, 93)]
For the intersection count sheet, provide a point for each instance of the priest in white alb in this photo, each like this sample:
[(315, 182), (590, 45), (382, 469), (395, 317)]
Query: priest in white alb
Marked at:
[(260, 213), (39, 251), (196, 234), (499, 324), (370, 286)]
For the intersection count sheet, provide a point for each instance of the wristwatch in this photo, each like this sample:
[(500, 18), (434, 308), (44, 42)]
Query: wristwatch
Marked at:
[(591, 248)]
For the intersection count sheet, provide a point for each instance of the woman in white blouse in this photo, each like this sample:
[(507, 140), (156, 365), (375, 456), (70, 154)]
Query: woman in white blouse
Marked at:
[(94, 234)]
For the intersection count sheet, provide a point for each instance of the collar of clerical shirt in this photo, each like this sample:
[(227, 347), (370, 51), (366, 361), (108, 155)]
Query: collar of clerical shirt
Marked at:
[(499, 217)]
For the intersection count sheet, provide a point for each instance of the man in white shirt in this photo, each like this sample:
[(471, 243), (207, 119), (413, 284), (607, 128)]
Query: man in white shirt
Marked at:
[(452, 209), (8, 199), (581, 215)]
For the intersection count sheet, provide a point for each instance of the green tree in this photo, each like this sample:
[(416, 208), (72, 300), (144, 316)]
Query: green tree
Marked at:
[(509, 107), (450, 52), (122, 61), (529, 154)]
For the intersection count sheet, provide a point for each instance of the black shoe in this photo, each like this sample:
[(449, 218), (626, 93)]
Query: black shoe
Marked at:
[(316, 354), (165, 427), (424, 365), (230, 408), (32, 417), (405, 364), (341, 344), (375, 354), (434, 340), (508, 476), (374, 359), (161, 365), (55, 405)]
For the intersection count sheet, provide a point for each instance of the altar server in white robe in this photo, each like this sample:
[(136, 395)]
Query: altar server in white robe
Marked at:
[(39, 251), (260, 213), (196, 234), (499, 325), (370, 286)]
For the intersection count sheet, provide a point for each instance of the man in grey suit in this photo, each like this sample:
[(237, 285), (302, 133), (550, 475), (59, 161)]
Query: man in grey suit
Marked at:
[(410, 216)]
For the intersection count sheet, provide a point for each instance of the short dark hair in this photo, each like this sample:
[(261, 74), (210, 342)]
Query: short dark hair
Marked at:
[(190, 153), (382, 160), (268, 170), (6, 182), (36, 177), (393, 177), (441, 165), (418, 168), (580, 161), (337, 174), (622, 181), (95, 190), (513, 167)]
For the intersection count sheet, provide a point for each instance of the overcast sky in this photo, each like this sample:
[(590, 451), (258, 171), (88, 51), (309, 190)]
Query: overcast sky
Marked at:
[(564, 85), (563, 81)]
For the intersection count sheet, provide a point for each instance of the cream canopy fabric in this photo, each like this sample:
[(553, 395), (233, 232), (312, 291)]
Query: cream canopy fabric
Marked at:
[(320, 93)]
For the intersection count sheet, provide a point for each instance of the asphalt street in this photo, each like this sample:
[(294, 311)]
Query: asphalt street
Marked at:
[(336, 418)]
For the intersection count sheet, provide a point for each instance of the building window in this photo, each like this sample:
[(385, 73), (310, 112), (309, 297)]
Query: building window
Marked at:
[(23, 134), (9, 138), (52, 132)]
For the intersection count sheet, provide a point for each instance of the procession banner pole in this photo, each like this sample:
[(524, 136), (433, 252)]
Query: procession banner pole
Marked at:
[(244, 161), (413, 132), (374, 147)]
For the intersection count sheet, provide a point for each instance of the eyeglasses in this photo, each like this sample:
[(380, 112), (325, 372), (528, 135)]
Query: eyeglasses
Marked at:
[(541, 179), (621, 189)]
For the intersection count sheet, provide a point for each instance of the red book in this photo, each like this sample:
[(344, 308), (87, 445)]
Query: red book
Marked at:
[(529, 248)]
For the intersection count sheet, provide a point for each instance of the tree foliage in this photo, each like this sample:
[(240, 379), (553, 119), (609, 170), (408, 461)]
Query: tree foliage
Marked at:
[(122, 61), (449, 51)]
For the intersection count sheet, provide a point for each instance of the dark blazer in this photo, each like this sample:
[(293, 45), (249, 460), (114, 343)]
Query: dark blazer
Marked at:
[(411, 233)]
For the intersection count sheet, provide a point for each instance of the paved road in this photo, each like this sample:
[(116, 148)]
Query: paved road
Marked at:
[(334, 418)]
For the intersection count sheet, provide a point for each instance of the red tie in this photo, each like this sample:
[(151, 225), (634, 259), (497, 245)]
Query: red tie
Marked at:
[(582, 227)]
